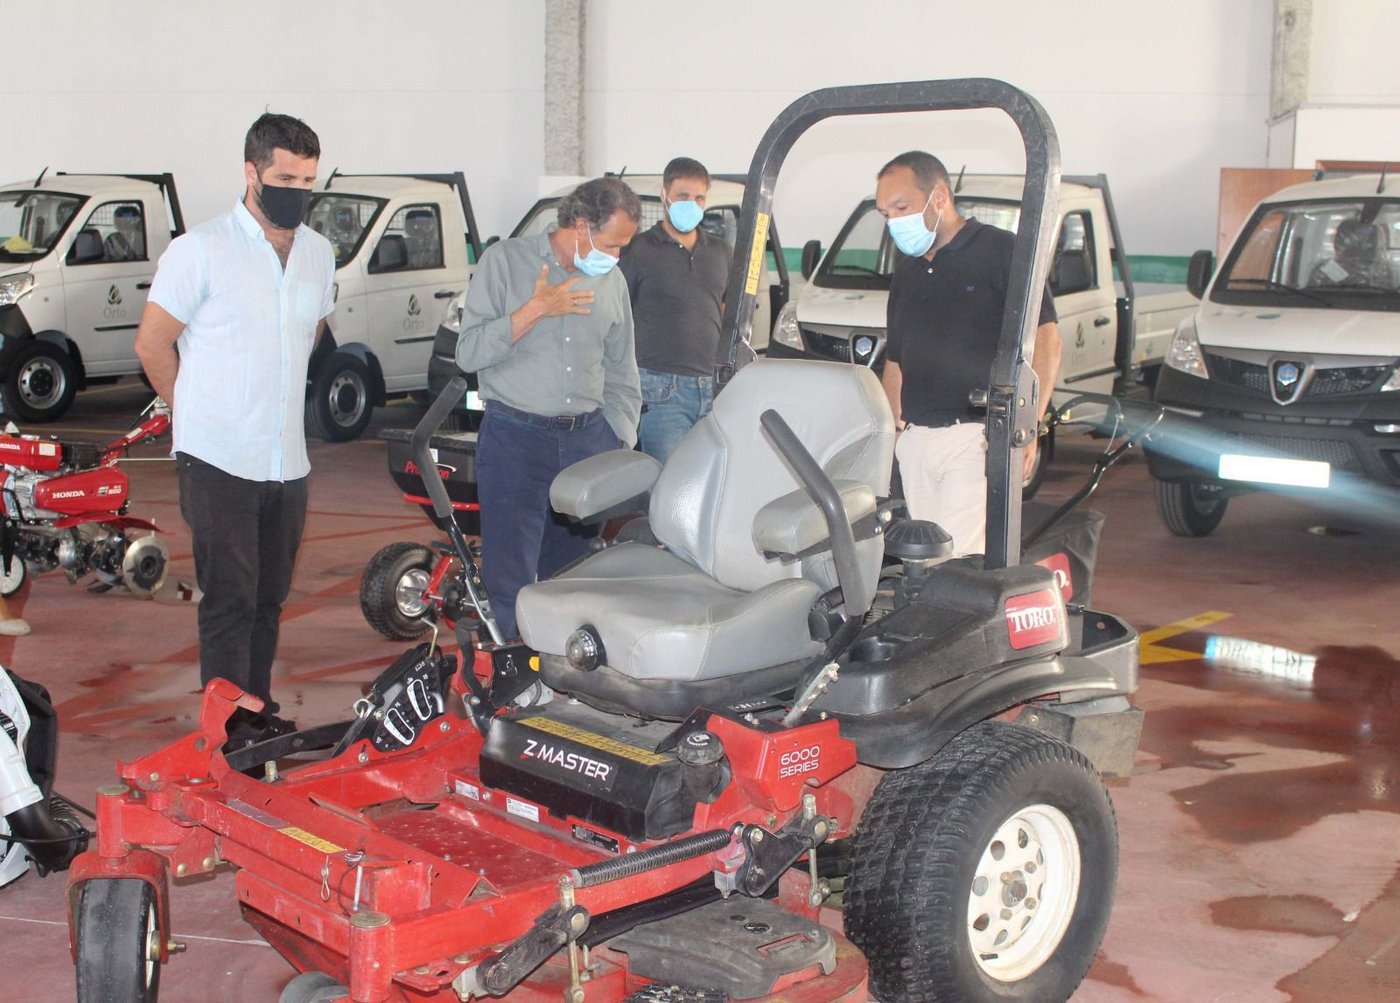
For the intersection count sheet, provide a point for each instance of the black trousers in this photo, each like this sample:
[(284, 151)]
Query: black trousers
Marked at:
[(246, 535)]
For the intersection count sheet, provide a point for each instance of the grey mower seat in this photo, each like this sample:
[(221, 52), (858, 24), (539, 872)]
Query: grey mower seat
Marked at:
[(715, 602)]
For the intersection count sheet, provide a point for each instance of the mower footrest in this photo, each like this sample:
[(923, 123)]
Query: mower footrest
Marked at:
[(742, 948)]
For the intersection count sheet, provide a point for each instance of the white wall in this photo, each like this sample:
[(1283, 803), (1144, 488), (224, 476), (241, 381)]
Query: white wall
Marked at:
[(1352, 110), (1353, 58), (1157, 94), (172, 85)]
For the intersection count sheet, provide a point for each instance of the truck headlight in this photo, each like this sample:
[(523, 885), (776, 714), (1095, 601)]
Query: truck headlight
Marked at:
[(1394, 382), (456, 308), (13, 287), (785, 331), (1185, 353)]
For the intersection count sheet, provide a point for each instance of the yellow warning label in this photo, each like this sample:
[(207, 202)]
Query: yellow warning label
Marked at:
[(756, 254), (313, 841), (594, 741)]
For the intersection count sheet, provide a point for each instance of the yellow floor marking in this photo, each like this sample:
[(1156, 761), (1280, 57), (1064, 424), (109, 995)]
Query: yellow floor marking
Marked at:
[(1152, 653)]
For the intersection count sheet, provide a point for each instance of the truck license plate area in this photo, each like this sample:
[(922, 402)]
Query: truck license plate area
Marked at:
[(1275, 470)]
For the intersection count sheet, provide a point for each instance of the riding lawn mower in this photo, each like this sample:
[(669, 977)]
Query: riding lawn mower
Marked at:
[(775, 689)]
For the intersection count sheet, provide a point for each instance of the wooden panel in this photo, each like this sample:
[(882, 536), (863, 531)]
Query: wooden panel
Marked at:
[(1241, 189)]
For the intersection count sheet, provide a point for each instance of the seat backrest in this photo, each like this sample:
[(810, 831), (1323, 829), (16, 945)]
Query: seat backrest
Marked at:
[(726, 469)]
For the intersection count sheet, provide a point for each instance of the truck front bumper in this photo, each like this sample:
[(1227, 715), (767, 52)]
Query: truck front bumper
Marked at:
[(1358, 440)]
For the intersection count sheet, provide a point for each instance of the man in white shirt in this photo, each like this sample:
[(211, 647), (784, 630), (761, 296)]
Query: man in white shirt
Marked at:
[(234, 310)]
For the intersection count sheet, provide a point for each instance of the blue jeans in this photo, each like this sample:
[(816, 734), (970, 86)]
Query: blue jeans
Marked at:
[(522, 539), (671, 404)]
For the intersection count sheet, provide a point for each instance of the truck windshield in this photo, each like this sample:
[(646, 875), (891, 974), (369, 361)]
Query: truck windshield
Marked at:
[(864, 257), (31, 222), (343, 220), (1335, 253)]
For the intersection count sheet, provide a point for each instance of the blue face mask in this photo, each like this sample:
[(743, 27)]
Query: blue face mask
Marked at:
[(685, 216), (596, 262), (909, 232)]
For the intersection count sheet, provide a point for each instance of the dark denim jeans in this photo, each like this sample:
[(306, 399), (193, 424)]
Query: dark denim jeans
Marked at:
[(671, 405), (522, 539), (246, 535)]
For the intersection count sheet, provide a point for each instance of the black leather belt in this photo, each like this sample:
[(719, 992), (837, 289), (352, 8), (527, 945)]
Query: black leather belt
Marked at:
[(561, 423)]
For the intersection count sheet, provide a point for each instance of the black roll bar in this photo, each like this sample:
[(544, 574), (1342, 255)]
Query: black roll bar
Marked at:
[(1010, 395)]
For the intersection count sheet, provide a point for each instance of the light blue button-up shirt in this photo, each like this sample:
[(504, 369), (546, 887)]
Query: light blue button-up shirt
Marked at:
[(250, 325)]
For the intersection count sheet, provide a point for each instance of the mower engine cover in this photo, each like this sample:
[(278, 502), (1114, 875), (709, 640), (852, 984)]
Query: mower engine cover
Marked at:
[(603, 769)]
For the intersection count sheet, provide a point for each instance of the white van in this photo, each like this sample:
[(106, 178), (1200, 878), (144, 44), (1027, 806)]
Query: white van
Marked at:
[(1288, 373), (77, 256)]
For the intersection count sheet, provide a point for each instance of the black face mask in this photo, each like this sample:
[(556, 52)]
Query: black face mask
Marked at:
[(285, 208)]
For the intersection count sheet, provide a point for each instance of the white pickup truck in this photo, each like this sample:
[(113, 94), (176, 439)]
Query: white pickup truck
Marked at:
[(405, 245), (77, 255), (1288, 373), (1111, 334)]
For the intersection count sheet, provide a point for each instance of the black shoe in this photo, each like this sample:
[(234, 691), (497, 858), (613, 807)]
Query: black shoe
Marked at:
[(272, 726)]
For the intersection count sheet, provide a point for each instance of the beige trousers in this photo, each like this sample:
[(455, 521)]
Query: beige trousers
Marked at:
[(945, 480)]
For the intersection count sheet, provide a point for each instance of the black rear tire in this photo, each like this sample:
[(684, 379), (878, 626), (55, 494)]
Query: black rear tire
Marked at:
[(985, 874), (1190, 508), (40, 382), (342, 398), (391, 590), (117, 942)]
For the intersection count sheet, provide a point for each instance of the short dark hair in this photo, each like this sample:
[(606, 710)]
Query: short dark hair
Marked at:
[(279, 132), (684, 167), (595, 201), (928, 169)]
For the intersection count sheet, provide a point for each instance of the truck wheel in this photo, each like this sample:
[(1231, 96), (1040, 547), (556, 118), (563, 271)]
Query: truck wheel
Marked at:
[(40, 383), (392, 591), (1190, 508), (985, 874), (14, 581), (118, 942), (340, 405)]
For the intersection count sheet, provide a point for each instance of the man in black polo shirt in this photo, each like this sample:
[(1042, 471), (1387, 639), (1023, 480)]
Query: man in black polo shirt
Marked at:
[(947, 297), (676, 274)]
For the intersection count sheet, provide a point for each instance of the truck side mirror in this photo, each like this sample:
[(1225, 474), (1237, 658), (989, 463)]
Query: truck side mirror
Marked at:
[(1198, 273), (811, 254), (390, 255), (1071, 272), (87, 247)]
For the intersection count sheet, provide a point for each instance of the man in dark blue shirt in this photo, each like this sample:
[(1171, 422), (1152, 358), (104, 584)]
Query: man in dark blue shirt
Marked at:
[(947, 298), (676, 274)]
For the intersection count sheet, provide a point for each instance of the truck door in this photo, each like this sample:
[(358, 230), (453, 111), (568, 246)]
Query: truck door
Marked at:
[(408, 286), (1085, 305), (105, 295)]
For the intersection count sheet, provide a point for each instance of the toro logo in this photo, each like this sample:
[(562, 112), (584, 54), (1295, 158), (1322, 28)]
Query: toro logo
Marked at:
[(1058, 565), (807, 759), (1034, 618)]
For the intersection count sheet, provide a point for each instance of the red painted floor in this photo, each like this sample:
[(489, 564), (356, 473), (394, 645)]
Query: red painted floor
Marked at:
[(1260, 830)]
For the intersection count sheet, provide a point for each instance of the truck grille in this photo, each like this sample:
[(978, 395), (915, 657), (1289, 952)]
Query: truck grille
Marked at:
[(827, 345), (1325, 382), (1336, 452)]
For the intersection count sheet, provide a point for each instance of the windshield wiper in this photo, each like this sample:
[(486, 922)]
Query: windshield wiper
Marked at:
[(1279, 286)]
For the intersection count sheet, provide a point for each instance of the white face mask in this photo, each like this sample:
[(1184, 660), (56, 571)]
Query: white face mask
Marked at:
[(909, 232)]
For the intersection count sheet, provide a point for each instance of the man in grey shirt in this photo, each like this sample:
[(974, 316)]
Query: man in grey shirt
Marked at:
[(547, 328)]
